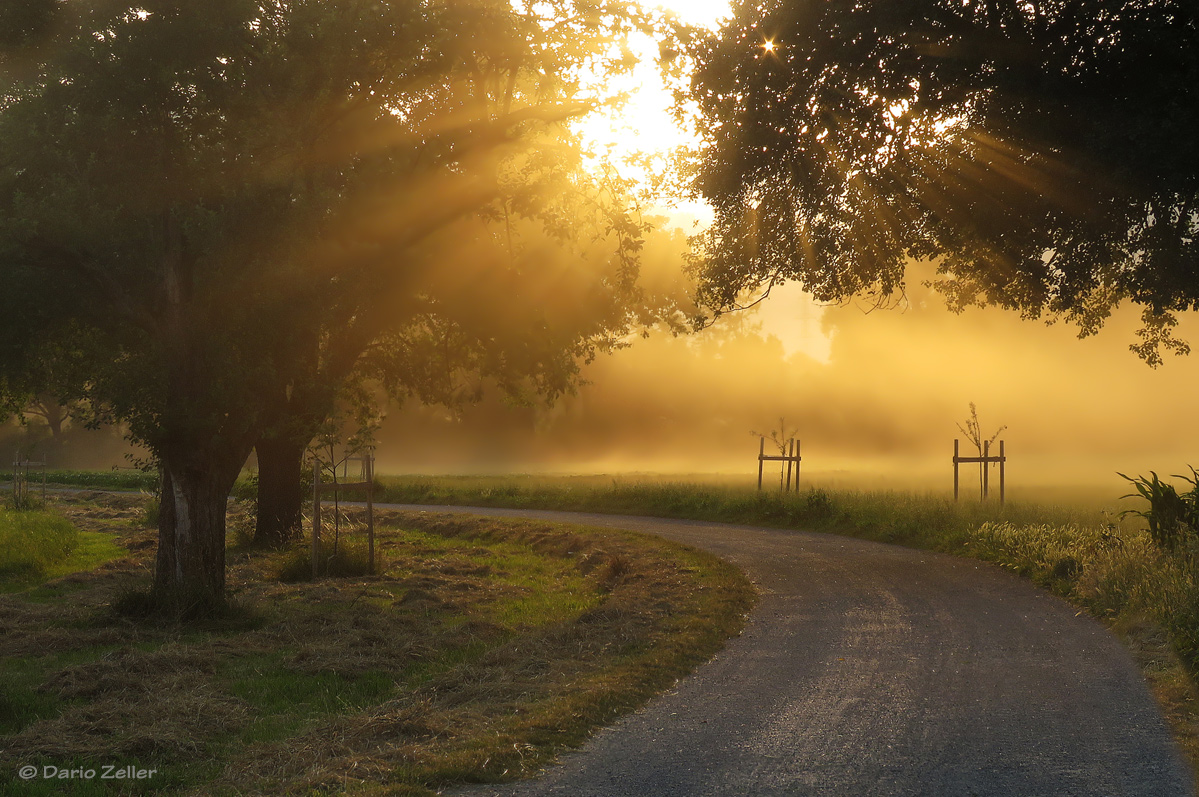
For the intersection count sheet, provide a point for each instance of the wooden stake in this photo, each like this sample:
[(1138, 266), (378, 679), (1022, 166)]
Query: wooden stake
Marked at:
[(790, 454), (798, 458), (955, 469), (368, 465), (316, 516), (761, 453), (986, 469), (1002, 462)]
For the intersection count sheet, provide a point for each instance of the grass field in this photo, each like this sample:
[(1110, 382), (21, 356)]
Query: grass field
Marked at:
[(1073, 543), (480, 650)]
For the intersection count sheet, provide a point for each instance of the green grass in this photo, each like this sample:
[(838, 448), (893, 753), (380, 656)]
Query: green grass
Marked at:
[(123, 479), (479, 651), (929, 520), (31, 543), (36, 547)]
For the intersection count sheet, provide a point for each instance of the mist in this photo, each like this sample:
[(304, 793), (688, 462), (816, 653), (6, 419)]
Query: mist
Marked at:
[(875, 394)]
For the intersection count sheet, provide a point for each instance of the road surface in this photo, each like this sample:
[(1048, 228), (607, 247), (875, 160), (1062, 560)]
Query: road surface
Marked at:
[(870, 669)]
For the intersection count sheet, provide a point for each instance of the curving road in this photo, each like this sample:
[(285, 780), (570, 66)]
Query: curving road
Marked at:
[(869, 669)]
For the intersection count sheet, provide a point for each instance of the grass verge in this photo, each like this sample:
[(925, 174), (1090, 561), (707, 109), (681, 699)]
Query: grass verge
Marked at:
[(481, 649)]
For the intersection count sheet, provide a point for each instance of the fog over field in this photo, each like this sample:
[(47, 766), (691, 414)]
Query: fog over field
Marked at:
[(876, 396)]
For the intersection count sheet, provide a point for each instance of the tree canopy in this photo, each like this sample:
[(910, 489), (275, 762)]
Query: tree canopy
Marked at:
[(1042, 151), (218, 207)]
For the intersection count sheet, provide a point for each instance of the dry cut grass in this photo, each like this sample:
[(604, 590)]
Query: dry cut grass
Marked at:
[(482, 649)]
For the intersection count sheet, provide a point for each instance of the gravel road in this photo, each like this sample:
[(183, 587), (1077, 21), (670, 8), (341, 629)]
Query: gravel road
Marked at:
[(869, 669)]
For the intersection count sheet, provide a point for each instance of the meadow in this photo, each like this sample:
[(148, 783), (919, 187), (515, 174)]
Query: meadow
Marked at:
[(1075, 543), (477, 651)]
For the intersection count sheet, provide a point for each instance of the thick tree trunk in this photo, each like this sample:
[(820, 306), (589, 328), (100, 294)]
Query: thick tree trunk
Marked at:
[(280, 490), (189, 572)]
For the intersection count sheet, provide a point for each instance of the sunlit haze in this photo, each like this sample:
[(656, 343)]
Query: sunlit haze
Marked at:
[(876, 394)]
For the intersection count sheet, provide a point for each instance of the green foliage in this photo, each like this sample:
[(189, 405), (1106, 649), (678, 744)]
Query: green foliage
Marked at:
[(151, 512), (1042, 151), (1173, 518)]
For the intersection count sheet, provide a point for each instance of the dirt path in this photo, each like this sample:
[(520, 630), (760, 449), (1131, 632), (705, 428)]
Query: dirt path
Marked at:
[(869, 669)]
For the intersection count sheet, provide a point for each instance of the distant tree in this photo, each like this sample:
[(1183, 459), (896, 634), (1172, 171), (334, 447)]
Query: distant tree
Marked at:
[(780, 438), (1042, 151), (974, 433), (225, 205)]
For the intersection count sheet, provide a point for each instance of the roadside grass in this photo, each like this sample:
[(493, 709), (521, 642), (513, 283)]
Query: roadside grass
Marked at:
[(1085, 553), (482, 649)]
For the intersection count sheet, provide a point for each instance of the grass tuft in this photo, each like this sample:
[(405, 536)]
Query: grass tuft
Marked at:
[(350, 560), (32, 543)]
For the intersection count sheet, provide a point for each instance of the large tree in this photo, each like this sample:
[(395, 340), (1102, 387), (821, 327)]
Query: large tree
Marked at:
[(217, 196), (543, 279), (1043, 151)]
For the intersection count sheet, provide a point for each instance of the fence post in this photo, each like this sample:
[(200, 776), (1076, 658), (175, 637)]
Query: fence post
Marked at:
[(955, 469), (798, 459), (761, 453), (790, 454), (316, 515), (986, 469), (368, 465), (1002, 462)]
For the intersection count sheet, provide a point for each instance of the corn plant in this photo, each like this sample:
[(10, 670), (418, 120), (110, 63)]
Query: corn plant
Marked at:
[(1172, 517)]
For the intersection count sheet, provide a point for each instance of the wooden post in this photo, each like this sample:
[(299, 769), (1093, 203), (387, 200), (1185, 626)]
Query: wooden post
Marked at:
[(316, 515), (368, 465), (955, 469), (986, 469), (798, 459), (1002, 462), (790, 454), (761, 453)]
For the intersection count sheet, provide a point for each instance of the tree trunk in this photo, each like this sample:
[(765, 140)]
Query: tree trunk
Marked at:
[(280, 490), (189, 572)]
